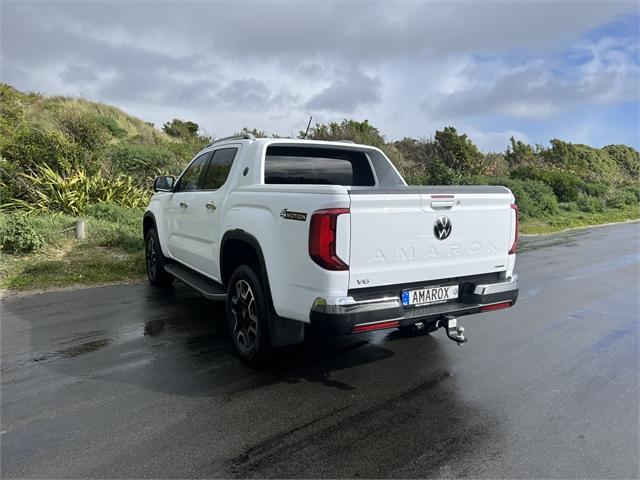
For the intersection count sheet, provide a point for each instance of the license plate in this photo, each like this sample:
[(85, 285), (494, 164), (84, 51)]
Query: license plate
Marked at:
[(429, 295)]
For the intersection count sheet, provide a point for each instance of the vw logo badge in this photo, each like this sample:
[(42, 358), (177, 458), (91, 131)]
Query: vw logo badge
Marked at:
[(442, 228)]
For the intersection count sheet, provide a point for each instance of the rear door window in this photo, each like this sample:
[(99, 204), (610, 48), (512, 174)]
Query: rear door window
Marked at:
[(317, 166), (219, 168)]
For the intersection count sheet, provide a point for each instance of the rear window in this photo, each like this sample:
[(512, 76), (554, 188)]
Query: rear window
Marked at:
[(317, 166)]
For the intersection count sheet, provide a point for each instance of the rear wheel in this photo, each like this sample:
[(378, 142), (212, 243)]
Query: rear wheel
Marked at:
[(247, 317), (155, 261)]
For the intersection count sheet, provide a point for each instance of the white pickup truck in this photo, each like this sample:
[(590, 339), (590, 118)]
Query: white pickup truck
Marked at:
[(297, 233)]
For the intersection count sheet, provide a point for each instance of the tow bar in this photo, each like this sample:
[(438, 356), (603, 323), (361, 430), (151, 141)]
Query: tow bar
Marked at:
[(454, 331)]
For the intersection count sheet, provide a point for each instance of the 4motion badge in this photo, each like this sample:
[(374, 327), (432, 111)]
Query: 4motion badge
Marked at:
[(442, 228), (289, 215)]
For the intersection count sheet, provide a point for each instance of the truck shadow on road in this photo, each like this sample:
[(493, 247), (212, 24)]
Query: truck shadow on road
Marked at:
[(174, 341)]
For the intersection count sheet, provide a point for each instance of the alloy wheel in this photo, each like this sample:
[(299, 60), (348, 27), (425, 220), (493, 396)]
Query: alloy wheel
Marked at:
[(243, 308), (152, 257)]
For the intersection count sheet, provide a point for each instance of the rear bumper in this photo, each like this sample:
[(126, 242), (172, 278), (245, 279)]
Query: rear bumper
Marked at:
[(340, 315)]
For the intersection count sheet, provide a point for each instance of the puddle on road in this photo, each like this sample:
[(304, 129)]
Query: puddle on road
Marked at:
[(75, 350), (83, 348), (80, 337), (528, 244)]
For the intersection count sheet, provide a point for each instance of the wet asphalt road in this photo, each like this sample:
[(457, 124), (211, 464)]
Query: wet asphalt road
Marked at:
[(130, 381)]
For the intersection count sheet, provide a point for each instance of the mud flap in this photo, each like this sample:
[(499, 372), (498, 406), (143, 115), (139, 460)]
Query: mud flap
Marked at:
[(284, 331)]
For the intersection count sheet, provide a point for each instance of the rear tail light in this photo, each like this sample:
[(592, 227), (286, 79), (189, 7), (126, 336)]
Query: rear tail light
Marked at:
[(322, 239), (495, 306), (375, 326), (514, 245)]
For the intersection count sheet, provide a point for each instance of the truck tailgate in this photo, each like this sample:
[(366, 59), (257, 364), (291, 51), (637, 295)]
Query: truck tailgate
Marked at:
[(396, 238)]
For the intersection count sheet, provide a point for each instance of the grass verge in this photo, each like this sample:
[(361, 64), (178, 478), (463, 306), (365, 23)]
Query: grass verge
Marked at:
[(112, 252), (79, 264), (569, 219)]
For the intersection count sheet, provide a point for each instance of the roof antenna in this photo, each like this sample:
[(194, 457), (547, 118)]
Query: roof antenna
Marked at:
[(308, 125)]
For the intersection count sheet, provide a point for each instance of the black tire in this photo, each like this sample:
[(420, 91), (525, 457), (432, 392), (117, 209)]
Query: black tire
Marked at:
[(247, 317), (155, 261), (412, 331)]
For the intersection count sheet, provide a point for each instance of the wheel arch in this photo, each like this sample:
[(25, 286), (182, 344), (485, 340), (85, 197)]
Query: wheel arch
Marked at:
[(236, 247), (239, 247), (148, 222)]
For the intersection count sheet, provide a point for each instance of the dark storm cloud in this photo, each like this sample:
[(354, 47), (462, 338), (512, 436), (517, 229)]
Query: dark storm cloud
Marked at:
[(346, 94), (29, 39), (353, 30), (79, 74), (245, 92), (165, 40), (120, 71), (140, 86)]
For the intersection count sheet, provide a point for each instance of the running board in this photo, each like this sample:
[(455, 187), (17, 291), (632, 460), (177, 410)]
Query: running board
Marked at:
[(210, 289)]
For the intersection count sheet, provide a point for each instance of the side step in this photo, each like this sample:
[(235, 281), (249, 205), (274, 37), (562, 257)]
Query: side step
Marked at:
[(208, 288)]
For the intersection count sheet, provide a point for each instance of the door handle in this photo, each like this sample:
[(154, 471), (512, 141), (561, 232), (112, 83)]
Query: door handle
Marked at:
[(210, 206), (184, 204), (445, 204)]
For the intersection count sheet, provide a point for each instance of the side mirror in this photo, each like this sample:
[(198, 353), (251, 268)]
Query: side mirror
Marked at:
[(163, 184)]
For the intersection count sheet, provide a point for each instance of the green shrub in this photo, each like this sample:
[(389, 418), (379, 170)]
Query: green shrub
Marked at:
[(10, 184), (439, 174), (496, 164), (18, 235), (560, 222), (535, 199), (634, 190), (595, 189), (586, 203), (11, 111), (115, 213), (434, 173), (143, 162), (111, 126), (566, 187), (84, 130), (111, 235), (627, 158), (113, 225), (620, 198), (71, 193), (29, 148), (588, 163), (52, 227)]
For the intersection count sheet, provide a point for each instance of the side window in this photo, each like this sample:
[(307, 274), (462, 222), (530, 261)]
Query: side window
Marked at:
[(219, 168), (190, 180)]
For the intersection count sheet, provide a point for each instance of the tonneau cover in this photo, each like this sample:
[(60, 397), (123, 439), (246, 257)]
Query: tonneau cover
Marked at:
[(435, 189)]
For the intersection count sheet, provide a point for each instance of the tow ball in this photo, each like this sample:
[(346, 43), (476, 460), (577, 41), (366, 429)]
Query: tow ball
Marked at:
[(454, 331)]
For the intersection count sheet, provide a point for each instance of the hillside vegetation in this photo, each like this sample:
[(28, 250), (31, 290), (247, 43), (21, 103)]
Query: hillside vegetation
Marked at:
[(63, 154), (62, 158)]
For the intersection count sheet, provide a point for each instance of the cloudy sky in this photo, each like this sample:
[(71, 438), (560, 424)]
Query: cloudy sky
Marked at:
[(493, 69)]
